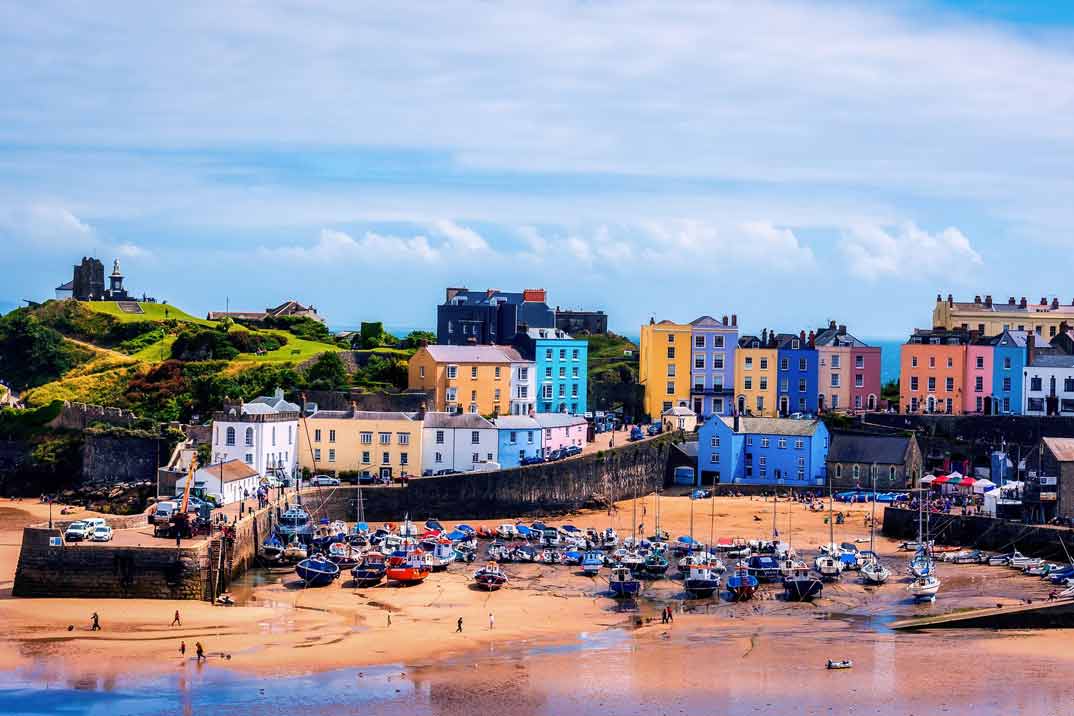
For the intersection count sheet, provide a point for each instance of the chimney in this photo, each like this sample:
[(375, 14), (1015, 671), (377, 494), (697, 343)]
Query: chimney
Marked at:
[(764, 337), (1010, 301), (1043, 301), (831, 325), (950, 300), (812, 340), (1031, 348), (939, 298), (734, 319), (801, 339), (1023, 303), (534, 295), (977, 300), (725, 319), (1055, 303), (842, 329), (988, 300)]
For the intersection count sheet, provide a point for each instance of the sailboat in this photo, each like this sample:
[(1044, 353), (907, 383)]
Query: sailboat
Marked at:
[(799, 584), (873, 570), (741, 585), (828, 563), (925, 584), (624, 581)]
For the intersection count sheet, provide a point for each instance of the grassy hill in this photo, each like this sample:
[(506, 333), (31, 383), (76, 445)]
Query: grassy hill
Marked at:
[(155, 312), (613, 374)]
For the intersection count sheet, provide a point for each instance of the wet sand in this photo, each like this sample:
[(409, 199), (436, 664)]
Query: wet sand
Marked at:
[(560, 645)]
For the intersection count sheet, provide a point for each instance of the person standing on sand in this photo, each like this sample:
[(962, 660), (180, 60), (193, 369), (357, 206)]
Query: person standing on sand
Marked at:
[(95, 622), (175, 619), (182, 649), (492, 621), (458, 630), (199, 650), (389, 618)]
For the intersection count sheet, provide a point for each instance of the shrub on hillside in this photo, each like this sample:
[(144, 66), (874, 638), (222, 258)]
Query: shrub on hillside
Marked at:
[(200, 344)]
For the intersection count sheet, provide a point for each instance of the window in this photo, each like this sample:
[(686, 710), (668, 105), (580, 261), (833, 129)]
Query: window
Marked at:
[(747, 383), (1068, 385), (717, 362), (439, 458), (932, 384), (548, 354), (859, 380), (289, 438), (856, 471), (317, 436), (473, 395), (367, 437), (473, 372), (699, 341), (748, 362), (475, 437), (331, 436), (859, 361), (784, 364), (801, 461), (366, 458), (229, 438), (671, 352), (671, 338), (764, 444), (574, 390), (249, 437), (563, 354), (949, 384), (574, 372), (980, 404), (249, 458), (496, 372), (835, 402), (801, 474), (699, 361), (1035, 405), (439, 437), (670, 388), (932, 361), (764, 364), (331, 455), (835, 360), (715, 441), (421, 371), (451, 395), (563, 371), (795, 345), (385, 438), (980, 362), (452, 372), (529, 436), (913, 404), (714, 458), (512, 437), (274, 436), (749, 443), (1035, 384), (835, 381), (523, 373), (949, 406), (950, 363), (316, 454), (1007, 363), (473, 408), (717, 406), (548, 371), (762, 460), (385, 458), (402, 438), (666, 405), (760, 403), (913, 361), (671, 370), (978, 384), (1007, 383), (496, 395), (784, 386), (764, 382), (404, 458), (574, 354), (802, 364), (857, 401), (762, 472), (782, 443)]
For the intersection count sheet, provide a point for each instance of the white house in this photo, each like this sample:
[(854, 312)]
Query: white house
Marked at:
[(457, 442), (262, 433), (523, 382), (1048, 388), (230, 480)]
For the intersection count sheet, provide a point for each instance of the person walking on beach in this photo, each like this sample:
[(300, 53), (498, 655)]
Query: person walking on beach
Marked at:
[(199, 651), (671, 616), (95, 622), (664, 615), (458, 629), (492, 621), (175, 619), (389, 618), (182, 648)]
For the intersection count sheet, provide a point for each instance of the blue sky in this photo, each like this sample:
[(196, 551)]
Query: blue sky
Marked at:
[(791, 162)]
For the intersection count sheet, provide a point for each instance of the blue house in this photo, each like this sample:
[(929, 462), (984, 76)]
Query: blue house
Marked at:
[(561, 364), (519, 437), (1008, 363), (796, 384), (490, 317), (762, 451)]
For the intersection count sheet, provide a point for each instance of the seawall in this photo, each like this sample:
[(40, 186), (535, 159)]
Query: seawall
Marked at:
[(982, 533)]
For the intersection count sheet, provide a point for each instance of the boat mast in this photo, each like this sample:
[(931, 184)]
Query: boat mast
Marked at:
[(831, 517), (691, 519), (872, 520), (775, 499)]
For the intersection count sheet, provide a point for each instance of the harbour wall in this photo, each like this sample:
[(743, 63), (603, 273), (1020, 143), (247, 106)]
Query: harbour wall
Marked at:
[(989, 533), (51, 568)]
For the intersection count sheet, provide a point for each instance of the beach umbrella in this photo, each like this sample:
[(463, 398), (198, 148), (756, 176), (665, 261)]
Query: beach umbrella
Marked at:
[(928, 479)]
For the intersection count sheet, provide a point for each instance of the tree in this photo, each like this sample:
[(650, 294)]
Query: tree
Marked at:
[(328, 373), (417, 339)]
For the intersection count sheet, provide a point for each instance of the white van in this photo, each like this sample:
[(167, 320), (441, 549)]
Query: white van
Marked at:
[(163, 512), (93, 523)]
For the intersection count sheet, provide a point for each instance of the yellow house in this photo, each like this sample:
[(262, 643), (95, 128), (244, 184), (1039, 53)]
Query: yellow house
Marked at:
[(990, 318), (755, 378), (379, 444), (664, 366), (469, 379)]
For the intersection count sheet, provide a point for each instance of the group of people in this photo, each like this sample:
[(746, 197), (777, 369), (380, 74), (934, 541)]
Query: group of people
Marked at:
[(667, 616), (199, 650)]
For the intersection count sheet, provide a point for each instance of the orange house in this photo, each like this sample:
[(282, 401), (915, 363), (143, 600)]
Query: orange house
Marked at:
[(932, 372), (467, 379)]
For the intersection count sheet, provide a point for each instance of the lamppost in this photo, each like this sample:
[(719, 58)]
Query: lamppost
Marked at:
[(50, 511)]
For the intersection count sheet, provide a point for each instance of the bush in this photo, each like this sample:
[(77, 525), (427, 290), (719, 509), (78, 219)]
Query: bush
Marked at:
[(200, 344), (301, 327), (32, 354), (246, 341)]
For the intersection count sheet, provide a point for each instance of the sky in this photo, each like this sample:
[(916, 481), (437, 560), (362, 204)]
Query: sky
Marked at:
[(790, 162)]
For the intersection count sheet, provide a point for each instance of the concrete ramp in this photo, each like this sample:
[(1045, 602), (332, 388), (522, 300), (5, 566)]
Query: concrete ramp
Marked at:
[(1056, 614)]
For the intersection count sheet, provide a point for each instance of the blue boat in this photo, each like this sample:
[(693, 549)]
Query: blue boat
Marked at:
[(702, 582), (457, 536), (623, 584), (741, 585), (467, 529), (572, 557), (371, 570), (317, 571), (272, 548), (592, 562), (523, 531), (764, 567), (295, 522)]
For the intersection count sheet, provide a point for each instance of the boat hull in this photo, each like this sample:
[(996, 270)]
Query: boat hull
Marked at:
[(407, 575), (702, 587), (626, 589), (802, 589), (319, 574)]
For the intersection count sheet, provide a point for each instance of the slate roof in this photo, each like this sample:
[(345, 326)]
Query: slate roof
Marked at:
[(831, 337), (558, 420), (471, 354), (883, 449), (361, 415), (1009, 338), (548, 334), (688, 448), (69, 286), (466, 421), (516, 422), (1062, 448), (234, 470), (772, 426), (1052, 360)]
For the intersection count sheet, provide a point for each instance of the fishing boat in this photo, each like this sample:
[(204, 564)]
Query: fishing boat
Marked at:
[(592, 562), (317, 571), (828, 567), (609, 540), (441, 555), (802, 586), (295, 522), (408, 530), (790, 565), (655, 565), (271, 550), (841, 664), (344, 554), (551, 556), (295, 551), (506, 531), (873, 570), (411, 569), (499, 552), (490, 577), (741, 585), (690, 561), (701, 582), (573, 557), (622, 583), (924, 587), (764, 567), (370, 570)]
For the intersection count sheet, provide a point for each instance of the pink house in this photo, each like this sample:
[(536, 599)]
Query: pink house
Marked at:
[(559, 430), (865, 377), (978, 383)]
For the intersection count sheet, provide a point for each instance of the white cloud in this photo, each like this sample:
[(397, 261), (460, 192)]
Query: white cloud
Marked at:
[(749, 243), (460, 237), (873, 252), (45, 227), (371, 248)]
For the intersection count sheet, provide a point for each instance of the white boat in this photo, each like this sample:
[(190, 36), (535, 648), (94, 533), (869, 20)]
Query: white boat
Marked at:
[(610, 539), (874, 572), (1020, 561), (506, 531), (924, 587), (827, 566), (294, 551), (789, 566)]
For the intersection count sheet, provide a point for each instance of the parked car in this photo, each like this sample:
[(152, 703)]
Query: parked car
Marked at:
[(636, 433), (324, 481), (531, 460), (93, 523), (573, 450), (101, 533), (556, 454), (75, 532), (655, 428), (447, 472)]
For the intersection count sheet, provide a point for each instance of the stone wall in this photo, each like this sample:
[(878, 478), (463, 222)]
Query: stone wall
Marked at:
[(982, 533), (76, 570), (108, 459), (78, 416)]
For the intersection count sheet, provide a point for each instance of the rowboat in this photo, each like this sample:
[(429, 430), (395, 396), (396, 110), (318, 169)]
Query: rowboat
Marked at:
[(317, 571), (490, 577)]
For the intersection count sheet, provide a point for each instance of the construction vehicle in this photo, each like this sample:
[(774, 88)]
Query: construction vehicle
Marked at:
[(181, 522)]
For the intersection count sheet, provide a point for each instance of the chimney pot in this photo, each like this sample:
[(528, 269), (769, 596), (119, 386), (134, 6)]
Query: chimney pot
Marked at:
[(977, 300), (842, 329), (725, 319), (831, 325), (734, 319), (939, 298), (801, 337), (988, 300), (1023, 303), (1043, 301), (1055, 303), (812, 339), (950, 300), (1010, 301)]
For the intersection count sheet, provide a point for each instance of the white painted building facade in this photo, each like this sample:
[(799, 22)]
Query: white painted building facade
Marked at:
[(1048, 387), (457, 442), (262, 433)]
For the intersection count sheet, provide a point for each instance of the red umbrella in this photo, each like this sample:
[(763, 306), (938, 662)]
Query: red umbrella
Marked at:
[(966, 482)]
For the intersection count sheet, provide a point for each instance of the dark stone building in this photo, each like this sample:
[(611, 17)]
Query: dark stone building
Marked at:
[(582, 322), (1049, 490), (87, 283), (895, 458), (490, 317)]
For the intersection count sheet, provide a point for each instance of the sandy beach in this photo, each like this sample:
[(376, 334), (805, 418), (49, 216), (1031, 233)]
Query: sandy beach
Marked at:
[(546, 613)]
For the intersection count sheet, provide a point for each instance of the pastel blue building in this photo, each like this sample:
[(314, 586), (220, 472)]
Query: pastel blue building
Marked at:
[(561, 363), (796, 382), (1008, 364), (519, 437), (712, 362), (762, 451)]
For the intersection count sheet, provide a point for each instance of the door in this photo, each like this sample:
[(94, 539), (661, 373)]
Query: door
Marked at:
[(385, 472), (784, 405)]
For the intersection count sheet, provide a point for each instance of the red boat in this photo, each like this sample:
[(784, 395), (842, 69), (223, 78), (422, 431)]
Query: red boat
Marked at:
[(408, 569), (486, 532)]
